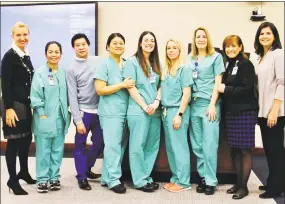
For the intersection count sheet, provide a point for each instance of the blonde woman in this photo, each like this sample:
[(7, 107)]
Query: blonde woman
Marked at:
[(17, 73), (207, 67), (175, 96)]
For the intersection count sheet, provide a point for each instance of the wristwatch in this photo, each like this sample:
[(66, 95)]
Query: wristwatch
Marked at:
[(180, 114)]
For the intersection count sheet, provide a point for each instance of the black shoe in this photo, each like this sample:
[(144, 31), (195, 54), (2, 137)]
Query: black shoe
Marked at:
[(55, 185), (104, 185), (16, 187), (42, 188), (210, 190), (154, 185), (201, 186), (240, 194), (120, 188), (84, 185), (262, 188), (232, 190), (268, 194), (26, 177), (92, 175), (146, 188)]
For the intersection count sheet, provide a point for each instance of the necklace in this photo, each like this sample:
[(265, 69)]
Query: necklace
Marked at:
[(27, 68)]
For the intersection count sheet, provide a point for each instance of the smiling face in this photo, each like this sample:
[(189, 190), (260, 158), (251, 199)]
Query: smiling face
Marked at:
[(148, 43), (266, 37), (172, 50), (117, 46), (20, 36), (233, 49), (201, 39), (53, 54), (81, 48)]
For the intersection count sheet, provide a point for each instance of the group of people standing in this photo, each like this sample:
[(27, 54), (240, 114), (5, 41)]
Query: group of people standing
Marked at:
[(186, 93)]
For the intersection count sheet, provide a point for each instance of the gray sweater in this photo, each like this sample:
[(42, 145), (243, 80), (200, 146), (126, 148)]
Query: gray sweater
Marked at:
[(270, 74), (80, 82)]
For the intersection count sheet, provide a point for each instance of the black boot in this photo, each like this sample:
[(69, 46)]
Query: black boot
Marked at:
[(16, 187), (26, 177)]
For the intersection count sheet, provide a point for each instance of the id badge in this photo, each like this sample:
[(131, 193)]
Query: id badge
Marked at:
[(51, 80), (234, 72), (152, 79), (195, 74)]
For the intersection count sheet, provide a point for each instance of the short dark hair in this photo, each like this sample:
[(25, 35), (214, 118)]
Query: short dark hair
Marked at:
[(78, 36), (112, 36), (276, 43), (53, 42), (229, 40)]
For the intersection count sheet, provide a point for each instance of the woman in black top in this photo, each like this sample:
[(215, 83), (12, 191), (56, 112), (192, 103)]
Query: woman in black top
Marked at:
[(17, 72), (240, 106)]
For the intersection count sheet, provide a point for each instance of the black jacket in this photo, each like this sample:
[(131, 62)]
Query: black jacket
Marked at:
[(240, 92), (16, 84)]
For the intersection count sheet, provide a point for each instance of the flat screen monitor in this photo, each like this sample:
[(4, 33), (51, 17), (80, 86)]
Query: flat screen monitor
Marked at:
[(51, 22)]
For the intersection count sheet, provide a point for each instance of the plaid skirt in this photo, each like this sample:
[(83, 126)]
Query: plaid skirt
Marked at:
[(240, 128)]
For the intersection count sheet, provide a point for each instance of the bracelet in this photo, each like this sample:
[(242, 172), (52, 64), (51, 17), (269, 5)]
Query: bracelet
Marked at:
[(157, 100)]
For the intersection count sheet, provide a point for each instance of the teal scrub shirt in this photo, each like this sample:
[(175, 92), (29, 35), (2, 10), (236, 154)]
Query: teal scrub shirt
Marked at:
[(146, 89), (115, 104), (208, 67), (172, 87)]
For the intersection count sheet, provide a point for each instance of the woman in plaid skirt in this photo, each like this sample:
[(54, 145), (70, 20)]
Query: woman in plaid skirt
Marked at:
[(240, 106)]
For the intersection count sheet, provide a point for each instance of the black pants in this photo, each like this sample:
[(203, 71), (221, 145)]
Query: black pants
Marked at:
[(273, 144), (17, 147)]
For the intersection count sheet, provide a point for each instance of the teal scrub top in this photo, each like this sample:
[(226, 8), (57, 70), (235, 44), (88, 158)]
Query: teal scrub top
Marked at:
[(146, 89), (48, 95), (208, 68), (115, 104), (172, 87)]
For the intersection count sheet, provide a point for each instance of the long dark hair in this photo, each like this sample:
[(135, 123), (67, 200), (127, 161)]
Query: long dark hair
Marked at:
[(153, 58), (276, 43)]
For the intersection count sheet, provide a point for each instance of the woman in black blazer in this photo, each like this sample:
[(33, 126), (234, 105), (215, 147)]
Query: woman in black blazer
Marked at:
[(17, 73), (240, 105)]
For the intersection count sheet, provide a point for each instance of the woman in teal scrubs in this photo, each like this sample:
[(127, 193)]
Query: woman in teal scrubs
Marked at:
[(50, 119), (112, 111), (207, 67), (143, 114), (175, 96)]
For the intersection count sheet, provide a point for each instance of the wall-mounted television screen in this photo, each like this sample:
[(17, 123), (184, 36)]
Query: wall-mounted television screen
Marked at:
[(49, 22)]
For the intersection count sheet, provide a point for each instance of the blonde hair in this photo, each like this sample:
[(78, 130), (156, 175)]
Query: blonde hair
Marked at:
[(168, 67), (209, 49), (19, 25)]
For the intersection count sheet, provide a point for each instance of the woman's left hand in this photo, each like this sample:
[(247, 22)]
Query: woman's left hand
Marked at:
[(272, 118), (177, 120), (152, 107), (211, 112)]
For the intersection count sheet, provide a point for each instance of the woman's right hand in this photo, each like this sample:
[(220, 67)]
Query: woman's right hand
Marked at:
[(43, 116), (129, 83), (11, 116)]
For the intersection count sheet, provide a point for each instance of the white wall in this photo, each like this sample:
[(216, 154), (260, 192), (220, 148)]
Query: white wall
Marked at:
[(178, 20)]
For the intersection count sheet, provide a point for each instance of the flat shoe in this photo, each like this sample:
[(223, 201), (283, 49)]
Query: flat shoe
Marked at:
[(176, 188), (232, 190), (239, 196), (167, 185)]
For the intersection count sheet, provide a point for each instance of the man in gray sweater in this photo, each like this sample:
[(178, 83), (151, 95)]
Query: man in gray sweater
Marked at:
[(83, 101)]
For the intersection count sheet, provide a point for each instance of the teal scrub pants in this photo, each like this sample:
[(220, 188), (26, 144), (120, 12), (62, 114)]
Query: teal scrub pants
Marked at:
[(115, 140), (177, 147), (204, 136), (143, 147), (49, 153)]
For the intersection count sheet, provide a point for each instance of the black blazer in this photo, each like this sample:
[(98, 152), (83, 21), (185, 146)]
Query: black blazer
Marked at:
[(240, 92), (16, 84)]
